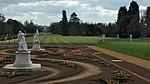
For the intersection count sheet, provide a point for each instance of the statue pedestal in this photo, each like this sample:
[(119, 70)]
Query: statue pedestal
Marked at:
[(36, 47), (23, 59), (23, 62)]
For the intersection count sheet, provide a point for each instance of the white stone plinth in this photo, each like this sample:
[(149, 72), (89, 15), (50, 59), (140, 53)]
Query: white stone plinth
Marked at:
[(32, 67), (23, 59), (36, 47), (23, 62)]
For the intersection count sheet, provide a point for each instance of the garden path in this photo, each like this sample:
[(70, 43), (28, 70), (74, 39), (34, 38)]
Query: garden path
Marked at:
[(90, 70), (131, 59)]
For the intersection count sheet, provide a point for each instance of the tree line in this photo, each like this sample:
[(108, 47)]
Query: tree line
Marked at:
[(74, 26), (12, 27), (129, 22)]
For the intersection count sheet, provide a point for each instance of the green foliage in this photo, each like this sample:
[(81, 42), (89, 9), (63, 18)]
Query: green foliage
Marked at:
[(15, 25), (9, 37), (147, 20), (133, 9), (2, 24), (133, 16), (128, 21), (64, 24), (122, 22), (74, 18), (75, 28), (120, 75), (74, 25), (2, 38), (55, 28), (29, 27)]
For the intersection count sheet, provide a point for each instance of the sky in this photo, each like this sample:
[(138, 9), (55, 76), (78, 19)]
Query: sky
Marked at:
[(43, 12)]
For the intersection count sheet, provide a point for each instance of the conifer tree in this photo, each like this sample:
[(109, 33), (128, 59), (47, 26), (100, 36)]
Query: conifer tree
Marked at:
[(147, 20), (122, 21), (64, 23), (133, 18)]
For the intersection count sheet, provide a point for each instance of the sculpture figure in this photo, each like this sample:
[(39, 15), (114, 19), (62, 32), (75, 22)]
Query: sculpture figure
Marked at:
[(22, 42), (36, 36)]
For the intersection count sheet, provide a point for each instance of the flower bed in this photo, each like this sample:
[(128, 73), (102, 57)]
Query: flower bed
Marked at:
[(13, 74), (120, 75), (61, 52), (104, 80), (2, 59), (64, 63), (7, 59)]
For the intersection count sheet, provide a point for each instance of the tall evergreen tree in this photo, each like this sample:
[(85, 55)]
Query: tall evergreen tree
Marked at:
[(64, 23), (147, 20), (2, 26), (74, 24), (143, 29), (122, 22), (74, 18), (133, 17)]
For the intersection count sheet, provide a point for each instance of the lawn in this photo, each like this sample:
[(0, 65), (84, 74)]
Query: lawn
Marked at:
[(137, 49), (58, 39)]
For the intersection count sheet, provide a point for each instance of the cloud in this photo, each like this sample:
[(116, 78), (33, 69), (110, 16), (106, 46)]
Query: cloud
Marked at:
[(46, 11)]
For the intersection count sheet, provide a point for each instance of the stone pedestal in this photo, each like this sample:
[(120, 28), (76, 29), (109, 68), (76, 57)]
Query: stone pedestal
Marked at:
[(36, 47), (23, 59), (23, 62)]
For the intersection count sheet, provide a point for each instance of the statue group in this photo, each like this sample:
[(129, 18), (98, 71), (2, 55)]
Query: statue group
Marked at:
[(23, 61)]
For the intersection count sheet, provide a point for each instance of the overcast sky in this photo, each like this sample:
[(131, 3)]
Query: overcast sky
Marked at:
[(44, 12)]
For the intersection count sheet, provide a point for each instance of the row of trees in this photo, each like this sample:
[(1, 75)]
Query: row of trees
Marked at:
[(128, 23), (12, 27), (75, 27), (84, 29)]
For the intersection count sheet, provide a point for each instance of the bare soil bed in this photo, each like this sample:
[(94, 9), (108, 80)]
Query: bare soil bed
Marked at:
[(74, 65)]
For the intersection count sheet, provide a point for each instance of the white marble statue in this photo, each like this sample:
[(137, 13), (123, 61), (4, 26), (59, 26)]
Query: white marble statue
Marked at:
[(36, 36), (36, 42), (22, 42), (131, 38), (103, 38)]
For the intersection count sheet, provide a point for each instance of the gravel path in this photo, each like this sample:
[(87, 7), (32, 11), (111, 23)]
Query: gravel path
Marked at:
[(90, 70), (53, 71), (127, 58)]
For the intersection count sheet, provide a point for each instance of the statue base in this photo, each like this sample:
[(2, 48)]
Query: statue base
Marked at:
[(23, 62), (32, 67), (36, 47)]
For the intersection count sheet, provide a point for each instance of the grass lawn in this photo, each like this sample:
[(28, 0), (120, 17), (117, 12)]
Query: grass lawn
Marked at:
[(58, 39), (138, 49)]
